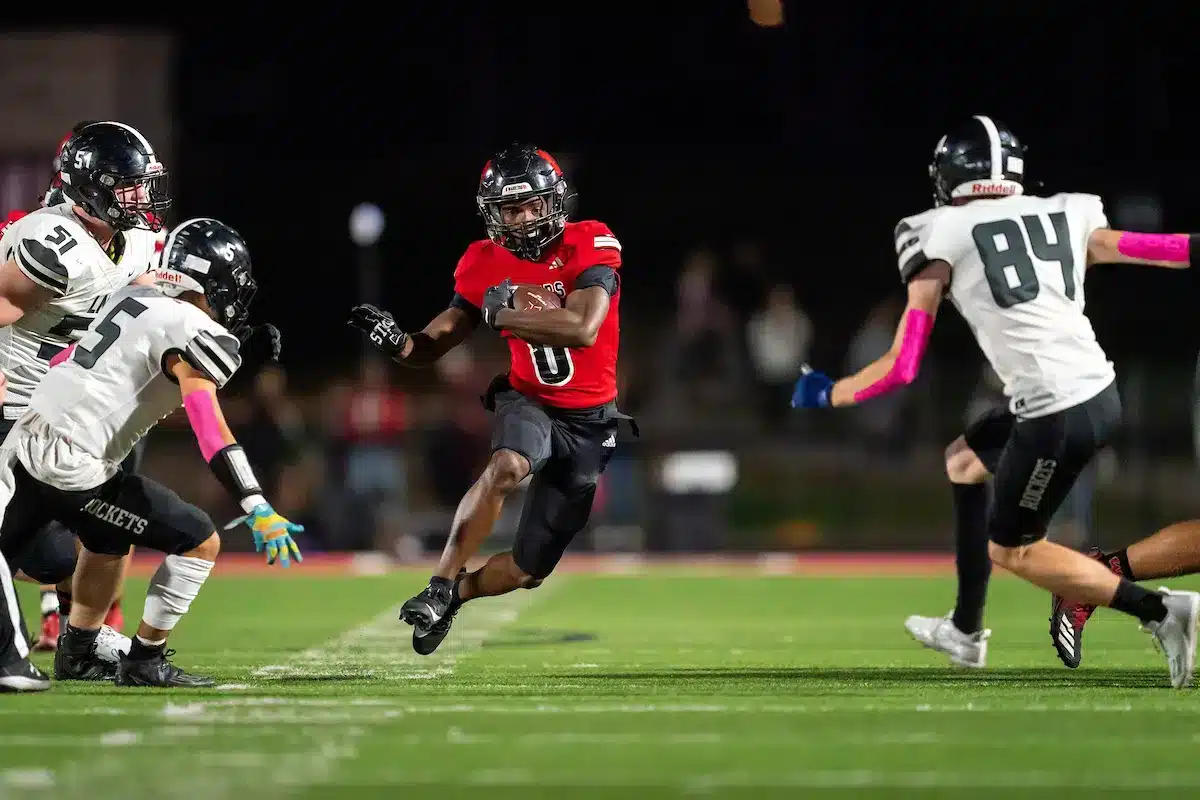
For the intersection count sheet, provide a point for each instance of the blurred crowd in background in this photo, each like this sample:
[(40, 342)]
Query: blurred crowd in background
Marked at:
[(753, 173), (380, 458)]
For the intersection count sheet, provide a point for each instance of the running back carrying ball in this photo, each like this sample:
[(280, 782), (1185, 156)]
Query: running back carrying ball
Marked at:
[(531, 297)]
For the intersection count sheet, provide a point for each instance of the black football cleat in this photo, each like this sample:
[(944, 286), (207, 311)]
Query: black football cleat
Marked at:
[(1067, 619), (76, 665), (431, 613), (23, 676), (158, 671)]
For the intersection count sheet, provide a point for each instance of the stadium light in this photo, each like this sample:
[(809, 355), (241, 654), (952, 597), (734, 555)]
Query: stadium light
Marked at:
[(366, 224)]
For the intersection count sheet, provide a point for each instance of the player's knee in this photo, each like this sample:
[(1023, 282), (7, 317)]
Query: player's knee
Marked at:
[(1011, 556), (505, 471), (963, 465), (208, 549)]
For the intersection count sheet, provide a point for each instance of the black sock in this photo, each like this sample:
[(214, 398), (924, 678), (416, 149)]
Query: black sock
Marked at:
[(64, 603), (1118, 562), (971, 554), (140, 651), (1138, 602), (78, 640)]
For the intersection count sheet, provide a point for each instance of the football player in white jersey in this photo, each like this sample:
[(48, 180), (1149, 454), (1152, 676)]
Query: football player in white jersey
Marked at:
[(53, 555), (149, 350), (1014, 266), (57, 266)]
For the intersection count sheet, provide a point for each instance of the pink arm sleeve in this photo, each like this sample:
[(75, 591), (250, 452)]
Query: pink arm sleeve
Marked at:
[(62, 356), (918, 325), (203, 416), (1156, 246)]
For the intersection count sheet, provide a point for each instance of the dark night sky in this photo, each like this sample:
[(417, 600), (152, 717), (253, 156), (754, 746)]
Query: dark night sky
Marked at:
[(814, 138)]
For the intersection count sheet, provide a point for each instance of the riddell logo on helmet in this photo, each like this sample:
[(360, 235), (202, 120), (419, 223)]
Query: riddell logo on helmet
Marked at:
[(167, 276), (993, 188)]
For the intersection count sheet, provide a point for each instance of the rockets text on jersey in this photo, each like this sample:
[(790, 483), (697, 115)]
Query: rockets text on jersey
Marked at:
[(562, 377), (113, 387), (1018, 266), (54, 251)]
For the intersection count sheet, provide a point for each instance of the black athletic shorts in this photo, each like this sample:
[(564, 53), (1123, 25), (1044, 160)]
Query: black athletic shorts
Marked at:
[(1035, 461), (567, 451), (125, 510), (51, 555)]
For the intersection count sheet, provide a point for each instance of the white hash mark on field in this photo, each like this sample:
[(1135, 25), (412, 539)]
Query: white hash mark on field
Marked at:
[(210, 748)]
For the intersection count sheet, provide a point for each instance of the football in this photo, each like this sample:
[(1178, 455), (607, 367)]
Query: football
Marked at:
[(531, 297)]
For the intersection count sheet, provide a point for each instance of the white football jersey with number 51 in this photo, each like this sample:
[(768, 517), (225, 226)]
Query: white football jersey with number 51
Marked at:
[(1018, 265), (52, 248)]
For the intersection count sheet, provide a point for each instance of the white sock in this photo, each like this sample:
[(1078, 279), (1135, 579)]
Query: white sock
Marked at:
[(172, 589)]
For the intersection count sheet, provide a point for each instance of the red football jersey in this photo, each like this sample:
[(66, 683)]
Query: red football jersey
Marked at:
[(563, 377), (13, 216)]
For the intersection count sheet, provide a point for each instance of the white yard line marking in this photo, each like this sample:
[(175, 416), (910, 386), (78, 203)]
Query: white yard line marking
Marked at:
[(318, 734)]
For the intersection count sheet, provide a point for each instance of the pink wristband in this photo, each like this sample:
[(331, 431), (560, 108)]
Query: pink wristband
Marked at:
[(1174, 247), (918, 325)]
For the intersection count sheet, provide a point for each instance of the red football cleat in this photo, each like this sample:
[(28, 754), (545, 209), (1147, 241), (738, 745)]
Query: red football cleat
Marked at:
[(115, 619), (48, 637), (1066, 623)]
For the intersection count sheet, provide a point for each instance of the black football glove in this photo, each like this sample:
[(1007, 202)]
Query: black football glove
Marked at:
[(380, 328), (260, 344), (496, 298)]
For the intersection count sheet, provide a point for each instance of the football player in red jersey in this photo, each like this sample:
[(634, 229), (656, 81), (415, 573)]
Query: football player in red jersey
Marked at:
[(555, 409)]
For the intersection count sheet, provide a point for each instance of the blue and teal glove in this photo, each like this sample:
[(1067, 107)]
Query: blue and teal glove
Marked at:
[(813, 389), (272, 532)]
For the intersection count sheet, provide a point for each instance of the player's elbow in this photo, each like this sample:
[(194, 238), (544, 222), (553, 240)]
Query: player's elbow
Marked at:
[(903, 369), (586, 337)]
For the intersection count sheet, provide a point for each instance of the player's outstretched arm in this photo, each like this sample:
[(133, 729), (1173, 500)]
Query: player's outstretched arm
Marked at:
[(19, 294), (899, 365), (576, 324), (228, 462), (445, 332), (1170, 250)]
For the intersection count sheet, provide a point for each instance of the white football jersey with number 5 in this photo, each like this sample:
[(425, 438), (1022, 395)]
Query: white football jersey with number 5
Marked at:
[(115, 386), (53, 249), (1018, 266)]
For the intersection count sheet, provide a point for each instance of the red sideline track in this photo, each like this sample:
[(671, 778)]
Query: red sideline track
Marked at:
[(819, 564)]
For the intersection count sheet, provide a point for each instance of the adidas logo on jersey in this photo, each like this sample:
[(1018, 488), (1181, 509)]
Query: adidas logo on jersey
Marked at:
[(611, 441)]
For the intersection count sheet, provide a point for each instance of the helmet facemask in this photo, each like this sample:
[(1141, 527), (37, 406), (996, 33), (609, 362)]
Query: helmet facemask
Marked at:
[(230, 301), (527, 238)]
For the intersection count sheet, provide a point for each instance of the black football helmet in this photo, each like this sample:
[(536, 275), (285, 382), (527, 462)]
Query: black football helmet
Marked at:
[(54, 195), (514, 176), (981, 158), (208, 257), (111, 170)]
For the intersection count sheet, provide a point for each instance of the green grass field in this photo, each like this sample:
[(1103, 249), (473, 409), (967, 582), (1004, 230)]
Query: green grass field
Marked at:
[(660, 684)]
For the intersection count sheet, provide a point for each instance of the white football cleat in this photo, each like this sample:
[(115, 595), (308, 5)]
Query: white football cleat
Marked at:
[(111, 644), (939, 633), (1175, 636)]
